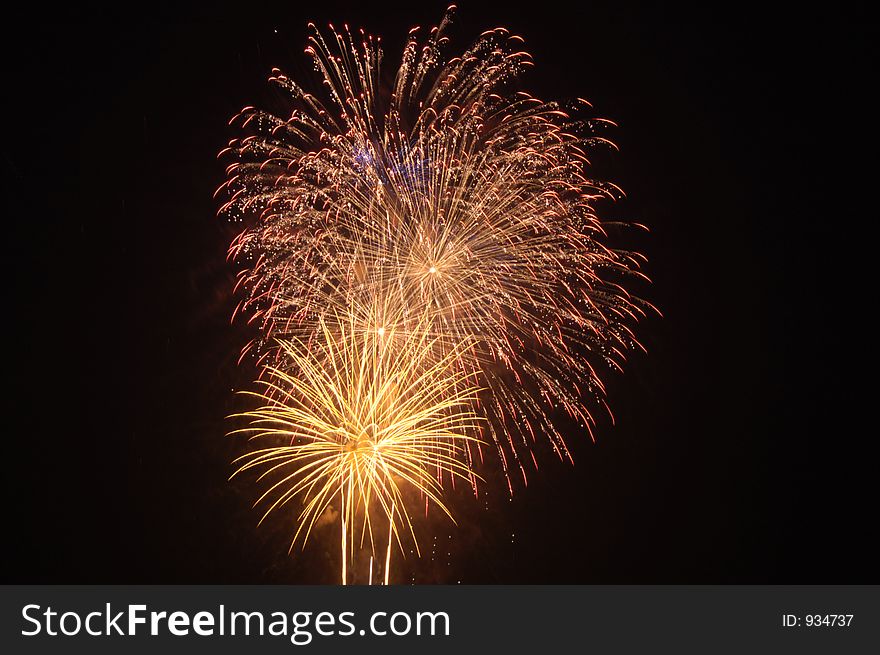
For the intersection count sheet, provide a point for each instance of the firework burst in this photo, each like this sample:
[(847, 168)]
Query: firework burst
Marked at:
[(451, 192), (362, 424)]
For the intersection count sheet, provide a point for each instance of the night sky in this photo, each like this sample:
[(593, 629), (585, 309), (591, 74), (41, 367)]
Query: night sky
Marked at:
[(741, 453)]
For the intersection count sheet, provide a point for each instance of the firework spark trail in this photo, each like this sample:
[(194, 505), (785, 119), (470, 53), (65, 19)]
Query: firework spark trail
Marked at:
[(361, 421), (451, 192)]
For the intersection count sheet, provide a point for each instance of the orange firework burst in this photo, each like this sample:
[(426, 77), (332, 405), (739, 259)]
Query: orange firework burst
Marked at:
[(451, 192)]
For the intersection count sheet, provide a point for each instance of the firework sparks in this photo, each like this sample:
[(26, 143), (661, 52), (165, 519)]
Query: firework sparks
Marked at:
[(365, 420), (451, 192)]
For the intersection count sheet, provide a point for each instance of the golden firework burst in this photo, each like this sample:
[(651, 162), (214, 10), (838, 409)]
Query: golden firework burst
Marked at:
[(366, 422)]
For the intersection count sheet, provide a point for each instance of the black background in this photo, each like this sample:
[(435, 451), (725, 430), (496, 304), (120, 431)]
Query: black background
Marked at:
[(739, 454)]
